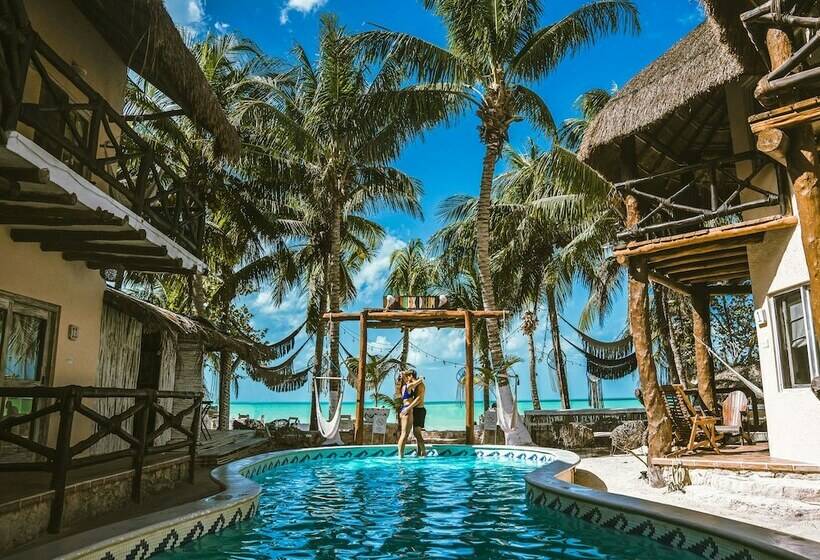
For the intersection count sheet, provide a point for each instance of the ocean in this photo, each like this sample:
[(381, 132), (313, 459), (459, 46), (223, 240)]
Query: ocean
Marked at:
[(443, 415)]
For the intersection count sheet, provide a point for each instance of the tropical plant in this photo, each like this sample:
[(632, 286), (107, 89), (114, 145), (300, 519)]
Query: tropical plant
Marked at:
[(242, 229), (412, 273), (334, 127), (377, 370), (494, 50)]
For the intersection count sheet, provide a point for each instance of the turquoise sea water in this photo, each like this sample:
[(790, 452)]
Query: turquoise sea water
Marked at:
[(447, 415), (386, 508)]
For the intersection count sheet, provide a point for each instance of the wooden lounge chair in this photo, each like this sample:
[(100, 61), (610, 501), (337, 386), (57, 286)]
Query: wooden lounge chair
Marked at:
[(693, 429), (733, 409)]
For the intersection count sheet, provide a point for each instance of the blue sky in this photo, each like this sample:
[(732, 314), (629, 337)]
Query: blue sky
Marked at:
[(447, 160)]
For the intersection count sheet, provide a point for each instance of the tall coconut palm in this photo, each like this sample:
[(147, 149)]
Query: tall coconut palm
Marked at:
[(413, 273), (335, 127), (495, 50), (241, 227)]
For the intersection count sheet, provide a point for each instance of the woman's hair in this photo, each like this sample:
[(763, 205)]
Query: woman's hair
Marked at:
[(410, 372)]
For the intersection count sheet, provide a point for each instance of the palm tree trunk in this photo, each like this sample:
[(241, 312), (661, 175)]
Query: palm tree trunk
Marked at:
[(405, 347), (334, 290), (318, 356), (536, 402), (519, 435), (198, 295), (485, 389), (659, 293), (560, 366), (224, 390)]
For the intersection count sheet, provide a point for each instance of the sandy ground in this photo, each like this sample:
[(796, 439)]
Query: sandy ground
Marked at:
[(620, 474)]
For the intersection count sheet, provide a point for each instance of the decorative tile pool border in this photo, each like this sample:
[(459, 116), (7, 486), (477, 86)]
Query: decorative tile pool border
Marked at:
[(548, 486)]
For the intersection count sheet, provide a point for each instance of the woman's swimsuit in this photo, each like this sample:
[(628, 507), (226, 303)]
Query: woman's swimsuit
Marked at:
[(406, 395)]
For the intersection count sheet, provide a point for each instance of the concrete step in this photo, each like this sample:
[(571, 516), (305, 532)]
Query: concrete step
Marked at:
[(749, 504)]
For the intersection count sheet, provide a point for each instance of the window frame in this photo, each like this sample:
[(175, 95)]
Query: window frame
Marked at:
[(779, 340), (32, 307)]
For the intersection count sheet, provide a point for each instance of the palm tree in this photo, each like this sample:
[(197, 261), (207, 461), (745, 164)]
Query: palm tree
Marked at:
[(495, 49), (334, 127), (529, 325), (242, 228), (377, 370), (411, 273)]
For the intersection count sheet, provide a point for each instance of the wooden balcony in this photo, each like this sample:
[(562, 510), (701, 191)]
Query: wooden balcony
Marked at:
[(85, 136)]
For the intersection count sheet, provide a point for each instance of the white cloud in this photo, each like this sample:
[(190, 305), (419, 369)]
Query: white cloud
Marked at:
[(429, 346), (373, 275), (290, 313), (221, 26), (301, 6), (186, 12)]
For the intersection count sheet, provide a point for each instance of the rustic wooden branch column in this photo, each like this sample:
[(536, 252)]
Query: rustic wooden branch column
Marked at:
[(358, 436), (468, 377), (660, 433), (801, 162), (702, 330)]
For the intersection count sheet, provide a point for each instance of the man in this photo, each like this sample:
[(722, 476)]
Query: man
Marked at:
[(415, 408)]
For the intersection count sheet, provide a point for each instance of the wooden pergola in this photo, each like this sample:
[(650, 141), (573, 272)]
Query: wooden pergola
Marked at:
[(414, 319)]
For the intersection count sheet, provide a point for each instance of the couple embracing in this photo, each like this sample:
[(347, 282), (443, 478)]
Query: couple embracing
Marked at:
[(412, 412)]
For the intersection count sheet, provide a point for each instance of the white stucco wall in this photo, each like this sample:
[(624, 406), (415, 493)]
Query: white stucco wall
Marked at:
[(793, 415), (776, 265)]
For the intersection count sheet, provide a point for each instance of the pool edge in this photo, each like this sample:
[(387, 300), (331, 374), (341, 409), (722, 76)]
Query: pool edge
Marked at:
[(159, 532)]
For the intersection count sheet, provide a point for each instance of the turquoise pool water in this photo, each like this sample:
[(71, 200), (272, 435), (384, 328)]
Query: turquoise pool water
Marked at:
[(436, 507)]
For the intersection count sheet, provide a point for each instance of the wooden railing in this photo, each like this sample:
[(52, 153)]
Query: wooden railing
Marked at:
[(93, 138), (71, 402), (688, 208)]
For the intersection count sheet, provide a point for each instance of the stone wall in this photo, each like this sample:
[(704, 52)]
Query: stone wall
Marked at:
[(577, 429), (23, 520)]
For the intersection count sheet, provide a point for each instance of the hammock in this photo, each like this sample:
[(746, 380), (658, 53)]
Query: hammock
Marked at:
[(508, 420), (282, 375), (328, 428), (602, 349), (607, 368)]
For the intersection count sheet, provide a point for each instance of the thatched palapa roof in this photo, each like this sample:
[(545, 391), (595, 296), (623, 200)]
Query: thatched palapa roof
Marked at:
[(714, 54), (159, 318), (146, 39)]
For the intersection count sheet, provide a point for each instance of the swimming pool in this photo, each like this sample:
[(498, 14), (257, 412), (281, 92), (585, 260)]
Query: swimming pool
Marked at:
[(436, 507)]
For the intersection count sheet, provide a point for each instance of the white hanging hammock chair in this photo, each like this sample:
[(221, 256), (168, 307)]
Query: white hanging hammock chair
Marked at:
[(329, 428), (507, 419)]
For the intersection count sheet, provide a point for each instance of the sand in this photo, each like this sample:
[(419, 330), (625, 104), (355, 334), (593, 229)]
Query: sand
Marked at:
[(742, 497)]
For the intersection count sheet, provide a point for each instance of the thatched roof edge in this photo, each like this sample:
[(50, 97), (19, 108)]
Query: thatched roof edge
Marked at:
[(697, 65), (160, 318), (146, 39)]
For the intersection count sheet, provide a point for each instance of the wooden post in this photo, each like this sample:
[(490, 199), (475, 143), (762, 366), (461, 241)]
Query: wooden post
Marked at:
[(701, 328), (359, 423), (660, 433), (468, 377), (196, 424), (141, 433), (801, 164), (62, 460)]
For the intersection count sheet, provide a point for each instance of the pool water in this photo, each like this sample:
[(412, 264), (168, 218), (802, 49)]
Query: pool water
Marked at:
[(436, 507)]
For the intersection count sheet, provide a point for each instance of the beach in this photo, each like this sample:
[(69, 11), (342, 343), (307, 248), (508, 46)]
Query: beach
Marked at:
[(442, 415)]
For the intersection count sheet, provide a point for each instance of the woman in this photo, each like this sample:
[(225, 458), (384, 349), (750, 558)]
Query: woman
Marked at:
[(408, 399)]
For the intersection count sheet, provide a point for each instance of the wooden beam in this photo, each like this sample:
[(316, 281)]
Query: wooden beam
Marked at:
[(729, 289), (36, 175), (57, 235), (469, 386), (716, 249), (788, 116), (716, 275), (698, 258), (774, 143), (55, 198), (104, 248), (667, 282), (361, 380), (59, 217), (411, 315), (727, 262), (723, 233), (121, 260), (147, 268)]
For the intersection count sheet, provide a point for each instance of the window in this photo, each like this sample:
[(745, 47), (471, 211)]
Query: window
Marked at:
[(796, 344), (26, 336), (60, 125)]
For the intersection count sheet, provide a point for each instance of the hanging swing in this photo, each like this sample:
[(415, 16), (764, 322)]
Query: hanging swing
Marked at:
[(507, 419), (329, 428)]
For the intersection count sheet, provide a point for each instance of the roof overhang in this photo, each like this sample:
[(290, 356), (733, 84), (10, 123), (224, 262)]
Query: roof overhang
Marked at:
[(64, 212)]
